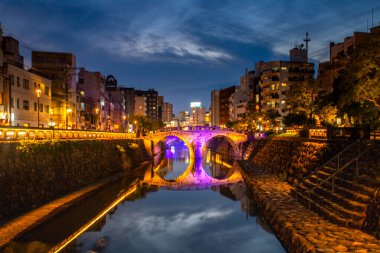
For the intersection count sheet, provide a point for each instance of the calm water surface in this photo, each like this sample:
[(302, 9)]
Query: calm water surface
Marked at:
[(183, 214)]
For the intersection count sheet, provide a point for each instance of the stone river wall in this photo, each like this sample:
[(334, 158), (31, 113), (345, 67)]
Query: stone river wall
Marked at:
[(35, 172), (290, 160), (299, 229)]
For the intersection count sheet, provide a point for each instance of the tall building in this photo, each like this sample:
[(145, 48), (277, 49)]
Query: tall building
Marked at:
[(214, 108), (25, 95), (117, 116), (184, 118), (160, 111), (151, 102), (167, 113), (140, 106), (224, 106), (238, 104), (129, 95), (277, 77), (338, 53), (249, 83), (92, 83), (197, 114), (61, 68), (207, 118)]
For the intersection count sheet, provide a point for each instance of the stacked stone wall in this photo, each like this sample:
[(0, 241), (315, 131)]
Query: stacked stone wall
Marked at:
[(291, 160), (35, 172)]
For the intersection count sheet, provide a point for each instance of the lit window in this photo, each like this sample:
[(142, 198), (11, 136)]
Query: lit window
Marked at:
[(283, 84)]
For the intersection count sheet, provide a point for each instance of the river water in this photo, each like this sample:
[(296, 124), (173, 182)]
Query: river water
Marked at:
[(172, 205)]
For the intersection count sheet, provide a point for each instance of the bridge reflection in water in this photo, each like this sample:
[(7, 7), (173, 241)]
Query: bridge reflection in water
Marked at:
[(194, 176)]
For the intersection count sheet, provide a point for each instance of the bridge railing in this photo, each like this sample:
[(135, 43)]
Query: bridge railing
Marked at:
[(21, 133), (199, 128)]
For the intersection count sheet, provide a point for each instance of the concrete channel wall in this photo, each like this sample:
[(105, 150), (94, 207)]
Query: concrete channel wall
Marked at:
[(35, 172)]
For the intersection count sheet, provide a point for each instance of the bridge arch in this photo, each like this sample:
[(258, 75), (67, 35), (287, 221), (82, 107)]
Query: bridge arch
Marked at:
[(196, 139), (163, 137), (234, 145)]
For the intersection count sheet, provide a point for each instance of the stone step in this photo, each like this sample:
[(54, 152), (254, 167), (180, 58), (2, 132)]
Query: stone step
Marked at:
[(327, 213), (325, 191), (348, 183), (333, 206), (347, 193)]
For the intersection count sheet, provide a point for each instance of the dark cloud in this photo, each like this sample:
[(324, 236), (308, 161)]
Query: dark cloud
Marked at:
[(182, 48)]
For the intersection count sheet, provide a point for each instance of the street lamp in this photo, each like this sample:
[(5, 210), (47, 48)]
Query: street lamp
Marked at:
[(38, 92), (124, 118), (68, 110), (97, 118)]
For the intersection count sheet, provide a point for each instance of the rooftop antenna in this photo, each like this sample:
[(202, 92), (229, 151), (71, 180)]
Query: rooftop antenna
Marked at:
[(307, 39), (367, 25), (372, 18)]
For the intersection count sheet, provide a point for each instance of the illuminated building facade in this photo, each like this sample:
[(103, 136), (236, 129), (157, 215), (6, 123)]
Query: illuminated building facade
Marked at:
[(25, 95), (61, 69), (197, 114)]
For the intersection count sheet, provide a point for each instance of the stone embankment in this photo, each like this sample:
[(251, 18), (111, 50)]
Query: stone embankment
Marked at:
[(299, 229), (34, 173), (291, 160)]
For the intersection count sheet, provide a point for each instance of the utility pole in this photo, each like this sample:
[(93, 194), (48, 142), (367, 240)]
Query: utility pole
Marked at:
[(66, 96), (306, 40)]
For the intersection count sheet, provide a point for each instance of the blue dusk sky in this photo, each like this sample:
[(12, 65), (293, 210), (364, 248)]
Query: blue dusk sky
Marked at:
[(183, 48)]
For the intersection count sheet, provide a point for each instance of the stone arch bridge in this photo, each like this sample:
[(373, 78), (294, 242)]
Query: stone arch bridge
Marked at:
[(196, 140)]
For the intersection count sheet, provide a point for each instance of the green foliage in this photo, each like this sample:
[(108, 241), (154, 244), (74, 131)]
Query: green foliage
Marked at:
[(300, 97), (361, 77), (146, 123), (295, 119), (355, 80)]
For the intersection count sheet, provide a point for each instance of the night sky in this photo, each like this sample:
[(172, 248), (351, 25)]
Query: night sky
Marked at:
[(184, 48)]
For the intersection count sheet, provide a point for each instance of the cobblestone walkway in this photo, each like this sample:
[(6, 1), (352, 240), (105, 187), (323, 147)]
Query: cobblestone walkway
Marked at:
[(299, 229), (27, 221)]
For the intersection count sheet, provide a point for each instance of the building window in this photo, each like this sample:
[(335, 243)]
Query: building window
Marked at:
[(47, 91), (18, 103), (25, 104), (18, 81), (11, 80), (47, 108), (35, 106), (12, 102), (41, 108), (25, 84)]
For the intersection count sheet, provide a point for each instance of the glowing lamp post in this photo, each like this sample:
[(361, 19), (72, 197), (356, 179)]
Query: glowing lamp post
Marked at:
[(124, 119), (68, 110), (38, 93), (97, 118)]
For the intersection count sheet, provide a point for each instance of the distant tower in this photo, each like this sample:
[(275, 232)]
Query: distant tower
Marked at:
[(306, 40)]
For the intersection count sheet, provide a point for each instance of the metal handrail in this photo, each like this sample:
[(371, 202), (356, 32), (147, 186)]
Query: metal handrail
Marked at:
[(332, 176), (329, 161)]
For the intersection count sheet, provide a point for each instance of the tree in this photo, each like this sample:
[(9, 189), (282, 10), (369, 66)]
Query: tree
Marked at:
[(146, 123), (295, 119), (272, 117), (300, 97), (361, 77)]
